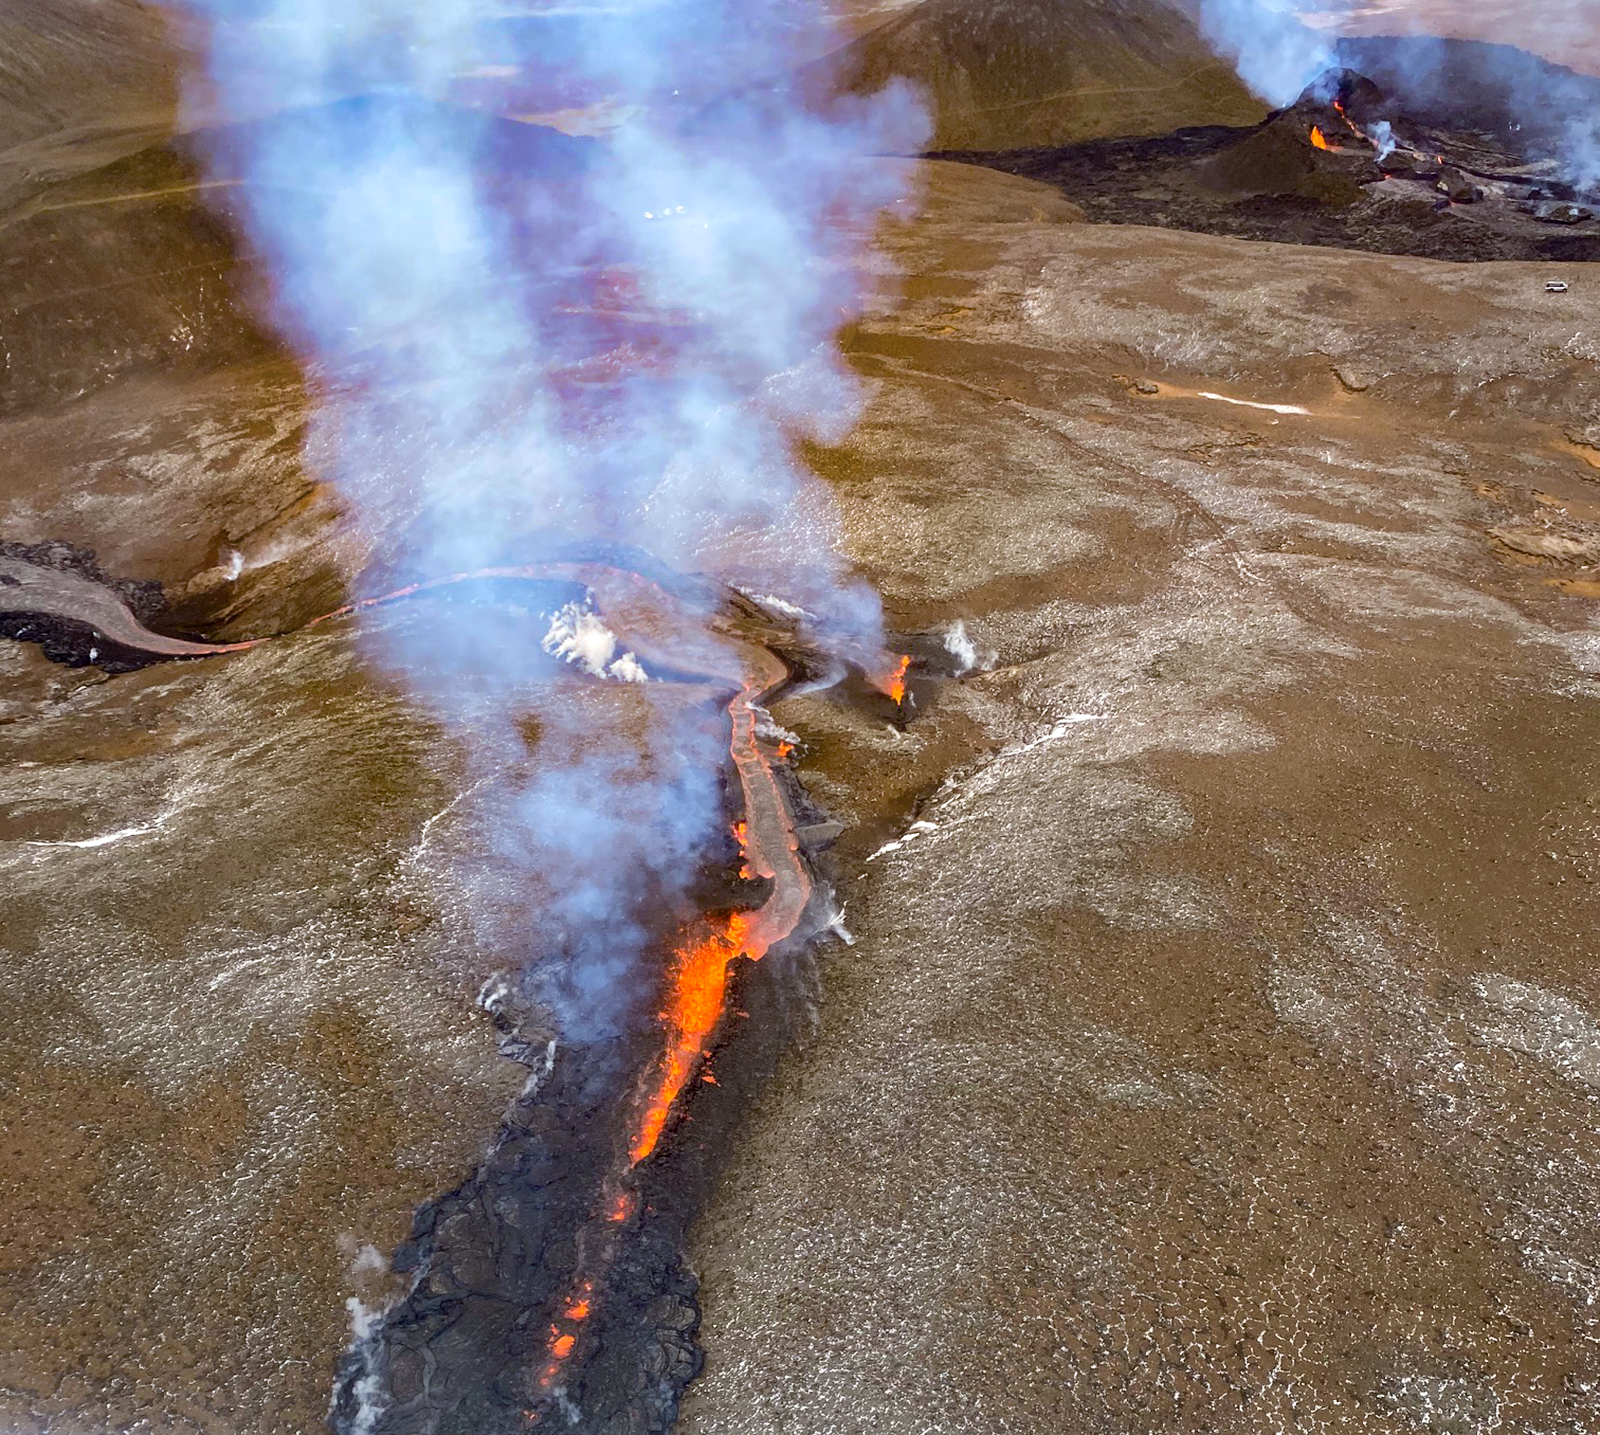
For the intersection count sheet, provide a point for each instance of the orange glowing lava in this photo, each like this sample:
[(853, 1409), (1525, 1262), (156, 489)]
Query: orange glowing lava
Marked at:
[(1349, 123), (697, 979), (896, 686), (699, 992), (656, 622), (1318, 139), (578, 1306)]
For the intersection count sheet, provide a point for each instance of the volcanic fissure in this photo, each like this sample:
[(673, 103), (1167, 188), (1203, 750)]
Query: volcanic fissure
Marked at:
[(550, 1287)]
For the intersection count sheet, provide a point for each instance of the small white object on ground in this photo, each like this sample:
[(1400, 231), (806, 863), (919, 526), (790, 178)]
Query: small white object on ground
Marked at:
[(1251, 404)]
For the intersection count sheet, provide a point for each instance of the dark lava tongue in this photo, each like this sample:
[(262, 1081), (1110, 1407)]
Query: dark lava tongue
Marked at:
[(496, 1262)]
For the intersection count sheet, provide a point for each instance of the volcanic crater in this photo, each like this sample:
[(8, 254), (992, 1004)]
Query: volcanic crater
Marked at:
[(1447, 171)]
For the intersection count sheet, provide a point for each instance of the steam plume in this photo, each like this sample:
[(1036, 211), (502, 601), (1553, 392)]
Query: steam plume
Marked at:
[(1278, 55), (1275, 52), (514, 332)]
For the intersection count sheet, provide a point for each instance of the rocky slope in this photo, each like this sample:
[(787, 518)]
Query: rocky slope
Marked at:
[(1000, 74), (81, 81), (1218, 1048)]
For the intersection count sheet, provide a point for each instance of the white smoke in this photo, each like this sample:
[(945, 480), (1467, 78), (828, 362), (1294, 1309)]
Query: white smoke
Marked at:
[(1275, 52), (578, 635), (958, 643), (1278, 54), (367, 1389), (510, 345)]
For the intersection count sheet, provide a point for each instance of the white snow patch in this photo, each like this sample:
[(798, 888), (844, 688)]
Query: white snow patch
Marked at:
[(917, 829), (1052, 734), (106, 839)]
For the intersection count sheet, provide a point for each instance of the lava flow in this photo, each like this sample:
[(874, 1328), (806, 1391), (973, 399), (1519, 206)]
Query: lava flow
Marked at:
[(699, 994), (1349, 123), (678, 635), (1318, 139), (698, 982)]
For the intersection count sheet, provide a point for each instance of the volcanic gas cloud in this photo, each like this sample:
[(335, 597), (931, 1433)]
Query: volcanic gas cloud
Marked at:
[(1278, 54), (531, 347)]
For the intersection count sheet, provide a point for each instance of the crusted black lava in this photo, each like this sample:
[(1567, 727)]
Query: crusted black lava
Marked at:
[(146, 598), (72, 644), (495, 1260), (1344, 167)]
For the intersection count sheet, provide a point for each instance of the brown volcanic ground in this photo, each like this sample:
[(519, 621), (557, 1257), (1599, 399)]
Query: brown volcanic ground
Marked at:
[(1220, 1051), (81, 82), (999, 74)]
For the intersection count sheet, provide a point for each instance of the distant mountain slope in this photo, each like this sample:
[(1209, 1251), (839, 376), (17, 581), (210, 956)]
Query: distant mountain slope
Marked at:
[(1007, 73), (81, 83)]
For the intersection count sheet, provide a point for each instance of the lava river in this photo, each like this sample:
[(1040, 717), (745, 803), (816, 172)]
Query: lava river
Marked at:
[(688, 632)]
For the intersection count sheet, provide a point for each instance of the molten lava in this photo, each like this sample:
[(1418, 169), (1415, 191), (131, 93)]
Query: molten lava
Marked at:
[(1349, 123), (662, 629), (699, 991), (896, 684), (1318, 139), (697, 987)]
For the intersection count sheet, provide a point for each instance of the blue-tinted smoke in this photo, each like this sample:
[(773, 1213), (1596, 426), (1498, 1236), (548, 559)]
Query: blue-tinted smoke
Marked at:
[(1275, 52), (1554, 109), (520, 336)]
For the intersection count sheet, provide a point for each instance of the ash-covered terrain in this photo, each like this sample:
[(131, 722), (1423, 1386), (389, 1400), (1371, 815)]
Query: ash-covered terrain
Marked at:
[(1208, 1037)]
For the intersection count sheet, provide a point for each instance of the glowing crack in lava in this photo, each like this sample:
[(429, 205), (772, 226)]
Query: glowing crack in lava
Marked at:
[(1318, 139), (1349, 123)]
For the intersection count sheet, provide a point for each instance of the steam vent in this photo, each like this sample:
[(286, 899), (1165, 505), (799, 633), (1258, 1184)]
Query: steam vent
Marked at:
[(808, 717)]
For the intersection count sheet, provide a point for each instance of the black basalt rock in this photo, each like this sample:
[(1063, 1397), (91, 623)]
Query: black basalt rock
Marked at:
[(145, 598)]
